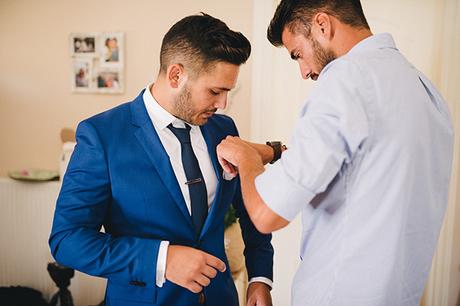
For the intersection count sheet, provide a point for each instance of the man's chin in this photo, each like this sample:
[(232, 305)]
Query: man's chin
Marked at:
[(199, 121), (202, 118), (203, 121)]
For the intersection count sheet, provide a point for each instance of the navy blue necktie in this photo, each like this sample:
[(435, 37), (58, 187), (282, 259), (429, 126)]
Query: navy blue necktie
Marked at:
[(195, 180)]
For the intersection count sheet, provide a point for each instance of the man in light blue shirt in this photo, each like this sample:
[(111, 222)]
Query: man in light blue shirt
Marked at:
[(368, 165)]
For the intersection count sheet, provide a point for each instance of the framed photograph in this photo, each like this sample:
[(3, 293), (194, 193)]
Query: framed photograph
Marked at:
[(97, 62), (83, 44), (82, 75), (111, 48), (109, 80)]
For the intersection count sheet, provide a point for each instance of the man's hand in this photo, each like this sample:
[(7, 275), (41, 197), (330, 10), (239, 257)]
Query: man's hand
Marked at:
[(191, 268), (233, 152), (259, 295), (266, 152)]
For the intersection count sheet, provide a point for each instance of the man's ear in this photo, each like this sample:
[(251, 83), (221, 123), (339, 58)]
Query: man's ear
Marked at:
[(176, 75), (323, 27)]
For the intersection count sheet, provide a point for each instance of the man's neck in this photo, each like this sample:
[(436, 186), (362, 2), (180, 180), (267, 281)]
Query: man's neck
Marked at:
[(161, 95), (348, 37)]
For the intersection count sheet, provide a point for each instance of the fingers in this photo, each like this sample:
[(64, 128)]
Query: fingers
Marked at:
[(194, 287), (225, 164), (202, 280), (216, 263), (226, 154), (209, 272), (229, 168), (191, 268)]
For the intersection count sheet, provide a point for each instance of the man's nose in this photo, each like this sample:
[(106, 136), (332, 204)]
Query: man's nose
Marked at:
[(305, 72), (222, 101)]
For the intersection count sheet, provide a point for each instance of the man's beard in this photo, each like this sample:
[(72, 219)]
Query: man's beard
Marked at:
[(182, 105), (184, 108), (322, 56)]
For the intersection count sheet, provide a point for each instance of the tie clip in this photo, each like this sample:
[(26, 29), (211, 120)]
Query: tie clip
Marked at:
[(194, 181)]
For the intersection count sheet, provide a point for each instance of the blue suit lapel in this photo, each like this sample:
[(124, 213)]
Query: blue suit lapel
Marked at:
[(212, 142), (149, 140)]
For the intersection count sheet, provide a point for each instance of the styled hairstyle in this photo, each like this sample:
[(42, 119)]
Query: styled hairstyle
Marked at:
[(297, 15), (199, 41)]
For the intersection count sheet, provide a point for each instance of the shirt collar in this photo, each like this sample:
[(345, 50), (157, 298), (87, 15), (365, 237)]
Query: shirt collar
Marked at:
[(160, 117), (377, 41)]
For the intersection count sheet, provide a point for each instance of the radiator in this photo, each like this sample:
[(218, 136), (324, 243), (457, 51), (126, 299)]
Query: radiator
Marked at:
[(26, 214)]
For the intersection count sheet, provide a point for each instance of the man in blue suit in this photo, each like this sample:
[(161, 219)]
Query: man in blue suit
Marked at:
[(147, 171)]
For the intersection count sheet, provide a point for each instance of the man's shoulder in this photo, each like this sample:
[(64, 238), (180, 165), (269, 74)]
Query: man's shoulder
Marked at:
[(343, 76), (115, 116), (111, 114), (108, 122), (222, 123), (222, 119), (342, 68)]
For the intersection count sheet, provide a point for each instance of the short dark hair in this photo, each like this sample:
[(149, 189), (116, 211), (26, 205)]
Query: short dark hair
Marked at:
[(201, 40), (297, 15)]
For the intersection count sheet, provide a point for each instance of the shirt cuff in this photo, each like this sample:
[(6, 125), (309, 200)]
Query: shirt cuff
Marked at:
[(288, 198), (261, 279), (161, 263)]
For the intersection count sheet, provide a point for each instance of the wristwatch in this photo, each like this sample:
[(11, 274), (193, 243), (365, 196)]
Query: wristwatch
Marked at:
[(277, 149)]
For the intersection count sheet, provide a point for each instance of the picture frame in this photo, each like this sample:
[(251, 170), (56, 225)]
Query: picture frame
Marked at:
[(82, 73), (109, 80), (111, 48), (97, 62), (83, 44)]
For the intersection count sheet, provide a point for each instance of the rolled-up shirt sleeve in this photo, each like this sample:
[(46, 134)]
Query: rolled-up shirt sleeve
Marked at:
[(332, 127)]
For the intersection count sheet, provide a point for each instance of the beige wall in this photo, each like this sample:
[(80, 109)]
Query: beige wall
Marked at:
[(449, 261), (35, 66)]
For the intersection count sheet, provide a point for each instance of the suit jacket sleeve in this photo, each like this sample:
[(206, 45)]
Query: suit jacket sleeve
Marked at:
[(258, 249), (83, 207)]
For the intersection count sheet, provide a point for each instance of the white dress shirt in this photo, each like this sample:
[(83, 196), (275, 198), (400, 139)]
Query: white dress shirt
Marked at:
[(161, 119), (368, 167)]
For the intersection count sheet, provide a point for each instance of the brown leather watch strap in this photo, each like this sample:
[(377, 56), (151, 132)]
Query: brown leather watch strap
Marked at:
[(277, 150)]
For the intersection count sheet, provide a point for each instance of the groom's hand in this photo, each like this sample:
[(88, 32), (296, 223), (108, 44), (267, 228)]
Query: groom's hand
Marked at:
[(259, 295), (191, 268)]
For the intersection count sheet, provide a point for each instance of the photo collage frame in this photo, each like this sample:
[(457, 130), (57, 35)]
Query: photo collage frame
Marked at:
[(97, 62)]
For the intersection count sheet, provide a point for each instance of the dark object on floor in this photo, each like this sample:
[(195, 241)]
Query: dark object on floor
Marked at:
[(61, 276), (21, 296)]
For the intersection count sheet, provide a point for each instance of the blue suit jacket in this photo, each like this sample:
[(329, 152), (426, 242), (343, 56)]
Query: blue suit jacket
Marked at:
[(120, 177)]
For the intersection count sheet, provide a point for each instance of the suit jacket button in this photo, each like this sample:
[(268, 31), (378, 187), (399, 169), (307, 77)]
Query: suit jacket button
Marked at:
[(201, 298)]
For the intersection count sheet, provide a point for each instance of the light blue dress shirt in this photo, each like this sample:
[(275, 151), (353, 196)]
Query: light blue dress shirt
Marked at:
[(368, 166)]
